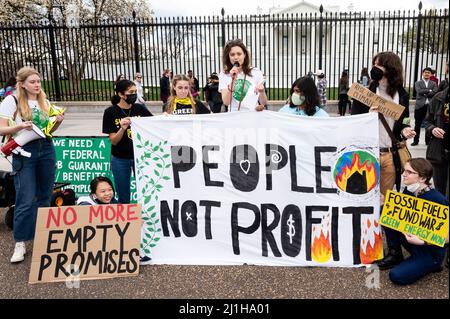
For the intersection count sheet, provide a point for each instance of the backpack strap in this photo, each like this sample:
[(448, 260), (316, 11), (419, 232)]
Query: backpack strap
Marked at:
[(17, 107), (7, 137), (388, 130)]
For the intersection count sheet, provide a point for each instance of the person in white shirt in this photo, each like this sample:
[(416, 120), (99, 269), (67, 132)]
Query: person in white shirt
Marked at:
[(241, 85), (34, 176), (140, 88), (387, 82)]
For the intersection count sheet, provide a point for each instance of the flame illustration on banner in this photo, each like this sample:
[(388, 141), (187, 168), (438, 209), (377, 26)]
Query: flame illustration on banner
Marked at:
[(321, 248), (371, 242), (357, 172)]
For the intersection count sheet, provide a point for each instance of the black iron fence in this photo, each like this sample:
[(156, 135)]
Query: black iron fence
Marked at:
[(82, 62)]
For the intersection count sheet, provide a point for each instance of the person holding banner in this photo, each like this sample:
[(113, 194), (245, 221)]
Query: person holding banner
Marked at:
[(102, 192), (116, 123), (387, 82), (424, 259), (241, 85), (181, 100), (34, 176), (304, 99)]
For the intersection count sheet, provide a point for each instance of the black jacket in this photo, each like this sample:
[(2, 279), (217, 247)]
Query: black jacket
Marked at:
[(399, 125), (435, 118)]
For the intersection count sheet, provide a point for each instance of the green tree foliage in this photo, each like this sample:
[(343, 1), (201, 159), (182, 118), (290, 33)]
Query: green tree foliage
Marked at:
[(434, 33), (75, 47)]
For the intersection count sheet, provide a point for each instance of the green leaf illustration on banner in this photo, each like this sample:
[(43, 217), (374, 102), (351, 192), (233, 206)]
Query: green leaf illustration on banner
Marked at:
[(156, 159), (238, 85)]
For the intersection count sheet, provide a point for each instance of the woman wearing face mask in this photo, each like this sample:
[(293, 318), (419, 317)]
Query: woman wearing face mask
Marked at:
[(181, 101), (102, 192), (425, 258), (304, 99), (387, 82), (116, 123)]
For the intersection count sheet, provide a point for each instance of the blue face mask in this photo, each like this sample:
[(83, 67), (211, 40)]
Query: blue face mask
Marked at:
[(297, 99)]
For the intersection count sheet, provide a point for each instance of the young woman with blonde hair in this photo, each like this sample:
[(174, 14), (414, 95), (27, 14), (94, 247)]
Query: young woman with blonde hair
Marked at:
[(33, 176), (181, 100)]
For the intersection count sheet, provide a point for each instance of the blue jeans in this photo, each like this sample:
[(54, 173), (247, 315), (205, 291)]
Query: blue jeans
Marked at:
[(424, 259), (121, 169), (34, 178)]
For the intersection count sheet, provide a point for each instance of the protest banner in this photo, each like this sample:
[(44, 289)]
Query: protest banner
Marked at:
[(81, 159), (87, 242), (385, 107), (260, 188), (412, 215)]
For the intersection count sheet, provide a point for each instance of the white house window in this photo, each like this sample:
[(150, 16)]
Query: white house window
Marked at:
[(285, 42), (376, 38), (361, 38)]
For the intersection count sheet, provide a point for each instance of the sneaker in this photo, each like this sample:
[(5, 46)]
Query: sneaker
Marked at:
[(414, 143), (145, 260), (19, 252)]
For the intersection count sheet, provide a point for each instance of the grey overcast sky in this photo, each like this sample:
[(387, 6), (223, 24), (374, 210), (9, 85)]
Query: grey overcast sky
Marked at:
[(212, 7)]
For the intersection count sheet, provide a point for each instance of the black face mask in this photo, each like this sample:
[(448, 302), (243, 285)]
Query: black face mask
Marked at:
[(131, 98), (376, 73)]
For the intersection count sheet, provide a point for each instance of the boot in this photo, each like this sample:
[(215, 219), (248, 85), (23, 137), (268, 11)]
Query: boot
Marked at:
[(394, 257)]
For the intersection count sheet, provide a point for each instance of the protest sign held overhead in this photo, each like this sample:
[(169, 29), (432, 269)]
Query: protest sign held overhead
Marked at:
[(260, 188), (89, 242)]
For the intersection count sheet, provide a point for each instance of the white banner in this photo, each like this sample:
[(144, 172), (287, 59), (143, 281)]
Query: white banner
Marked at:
[(259, 188)]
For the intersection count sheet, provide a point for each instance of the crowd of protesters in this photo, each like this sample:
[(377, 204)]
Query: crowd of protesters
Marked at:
[(241, 87)]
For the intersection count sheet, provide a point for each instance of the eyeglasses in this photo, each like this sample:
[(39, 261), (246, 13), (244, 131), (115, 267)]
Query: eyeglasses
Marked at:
[(408, 172), (139, 77)]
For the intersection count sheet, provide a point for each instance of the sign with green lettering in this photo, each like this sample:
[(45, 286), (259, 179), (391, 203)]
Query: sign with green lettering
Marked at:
[(81, 159), (412, 215)]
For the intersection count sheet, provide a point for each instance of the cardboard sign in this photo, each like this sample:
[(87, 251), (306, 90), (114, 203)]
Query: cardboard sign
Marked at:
[(408, 214), (385, 107), (86, 242)]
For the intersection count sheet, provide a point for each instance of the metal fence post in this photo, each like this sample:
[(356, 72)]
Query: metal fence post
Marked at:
[(320, 36), (136, 43), (54, 56), (416, 63), (223, 26)]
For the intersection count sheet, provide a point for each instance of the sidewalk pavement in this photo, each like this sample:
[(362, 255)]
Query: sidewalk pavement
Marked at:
[(227, 282)]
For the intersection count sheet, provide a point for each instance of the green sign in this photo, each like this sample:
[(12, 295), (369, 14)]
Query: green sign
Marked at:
[(81, 159)]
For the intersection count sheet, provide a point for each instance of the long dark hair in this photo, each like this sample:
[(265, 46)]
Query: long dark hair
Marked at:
[(365, 72), (394, 70), (344, 78), (227, 65), (308, 88), (121, 87)]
